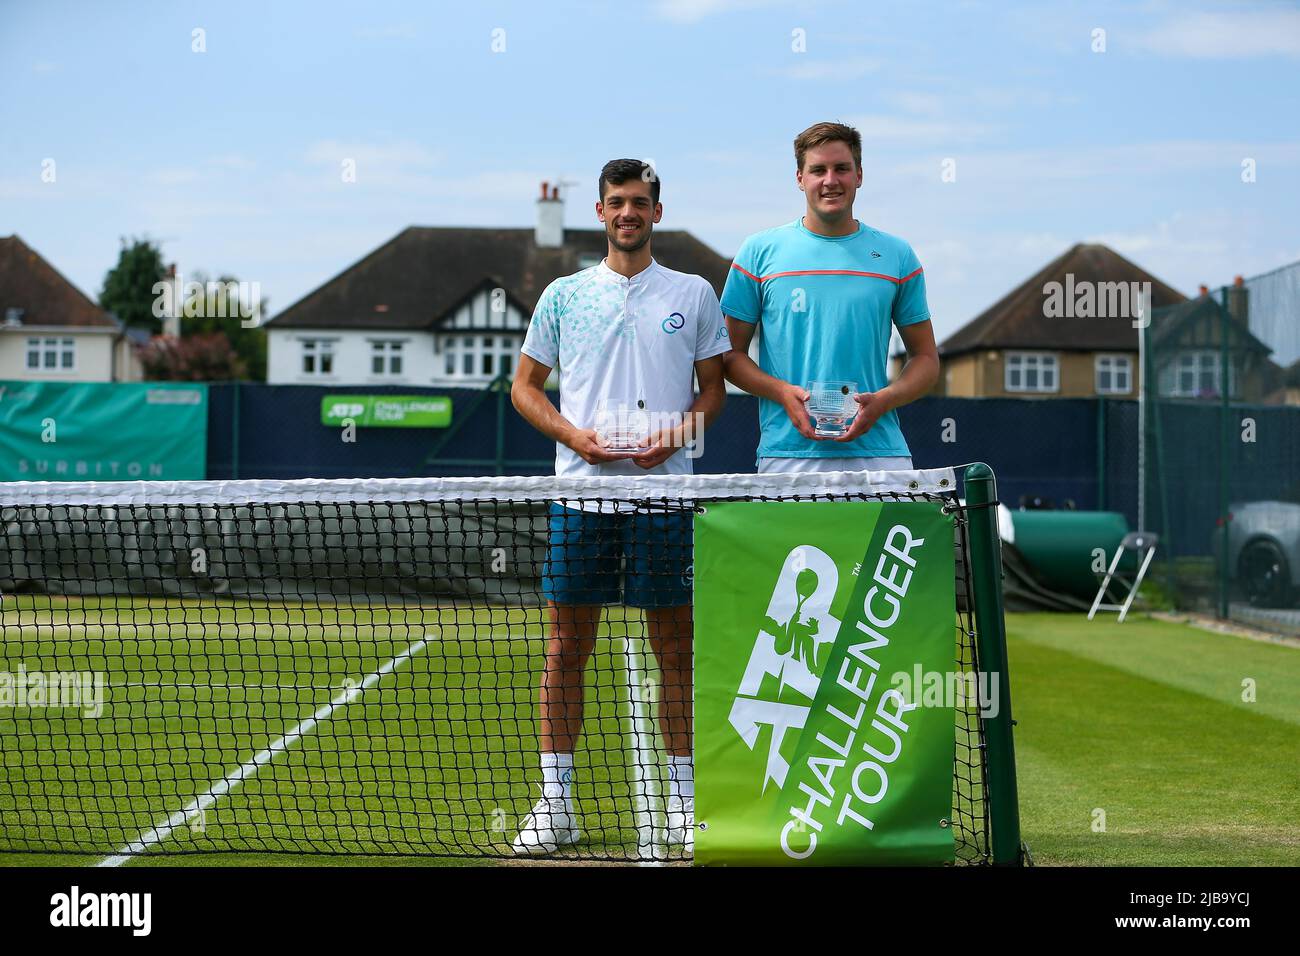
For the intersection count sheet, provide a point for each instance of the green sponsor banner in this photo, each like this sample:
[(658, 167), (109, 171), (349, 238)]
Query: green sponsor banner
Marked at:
[(103, 431), (387, 411), (812, 745)]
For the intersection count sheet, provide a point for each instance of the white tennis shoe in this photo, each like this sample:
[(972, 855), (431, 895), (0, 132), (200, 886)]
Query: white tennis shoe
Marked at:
[(681, 822), (549, 826)]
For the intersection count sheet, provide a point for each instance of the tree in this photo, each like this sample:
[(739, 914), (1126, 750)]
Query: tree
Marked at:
[(204, 308), (128, 287), (222, 308), (203, 357)]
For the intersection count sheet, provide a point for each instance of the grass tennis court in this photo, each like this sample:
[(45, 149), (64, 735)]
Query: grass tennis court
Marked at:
[(1144, 721), (438, 751)]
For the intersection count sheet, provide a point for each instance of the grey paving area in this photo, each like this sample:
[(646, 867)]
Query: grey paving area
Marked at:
[(1280, 620)]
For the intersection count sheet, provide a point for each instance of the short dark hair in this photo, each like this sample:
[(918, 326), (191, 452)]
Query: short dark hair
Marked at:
[(618, 171), (820, 134)]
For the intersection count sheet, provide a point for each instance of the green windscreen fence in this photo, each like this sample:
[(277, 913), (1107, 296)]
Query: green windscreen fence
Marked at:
[(103, 431)]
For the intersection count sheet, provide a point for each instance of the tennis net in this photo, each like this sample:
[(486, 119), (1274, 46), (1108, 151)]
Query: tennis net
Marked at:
[(353, 667)]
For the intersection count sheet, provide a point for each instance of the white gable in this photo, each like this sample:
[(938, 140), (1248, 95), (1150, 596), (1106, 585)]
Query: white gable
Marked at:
[(489, 309)]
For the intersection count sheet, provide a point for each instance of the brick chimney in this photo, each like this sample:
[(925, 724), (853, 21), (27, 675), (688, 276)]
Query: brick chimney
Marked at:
[(550, 218), (1238, 301), (171, 324)]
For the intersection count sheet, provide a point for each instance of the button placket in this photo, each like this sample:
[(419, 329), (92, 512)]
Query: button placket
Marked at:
[(629, 313)]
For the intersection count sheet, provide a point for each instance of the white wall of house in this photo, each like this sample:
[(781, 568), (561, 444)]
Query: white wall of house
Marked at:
[(126, 363), (57, 354), (478, 342)]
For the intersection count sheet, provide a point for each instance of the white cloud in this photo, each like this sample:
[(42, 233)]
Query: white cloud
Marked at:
[(1232, 34), (693, 11), (168, 215), (333, 152), (232, 161), (33, 191), (928, 104), (174, 176), (1181, 238), (878, 128), (847, 69), (1092, 163), (400, 165)]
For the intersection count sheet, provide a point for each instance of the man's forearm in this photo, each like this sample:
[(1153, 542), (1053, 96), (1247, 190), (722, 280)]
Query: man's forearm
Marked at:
[(538, 411), (917, 378), (709, 404), (743, 372)]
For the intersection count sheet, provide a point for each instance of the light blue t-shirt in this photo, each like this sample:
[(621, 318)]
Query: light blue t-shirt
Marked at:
[(826, 304)]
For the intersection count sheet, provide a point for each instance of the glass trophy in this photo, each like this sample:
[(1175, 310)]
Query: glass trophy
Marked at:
[(831, 407), (624, 429)]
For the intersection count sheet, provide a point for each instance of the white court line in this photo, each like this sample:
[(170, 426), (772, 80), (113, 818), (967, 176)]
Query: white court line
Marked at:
[(231, 781), (645, 792)]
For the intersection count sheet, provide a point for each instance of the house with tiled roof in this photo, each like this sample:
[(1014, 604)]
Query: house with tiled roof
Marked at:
[(1187, 355), (50, 330), (447, 306), (1071, 331), (1067, 331)]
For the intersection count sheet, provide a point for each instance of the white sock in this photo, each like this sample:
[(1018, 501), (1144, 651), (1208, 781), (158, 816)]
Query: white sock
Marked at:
[(681, 777), (557, 776)]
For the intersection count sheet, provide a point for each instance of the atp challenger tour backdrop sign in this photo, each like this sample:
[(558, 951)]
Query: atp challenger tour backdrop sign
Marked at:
[(387, 411), (806, 752), (103, 431)]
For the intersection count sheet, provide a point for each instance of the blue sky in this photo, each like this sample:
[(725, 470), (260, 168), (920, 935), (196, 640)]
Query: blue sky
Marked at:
[(232, 157)]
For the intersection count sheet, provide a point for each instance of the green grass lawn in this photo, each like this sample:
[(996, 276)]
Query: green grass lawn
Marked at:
[(440, 754), (1144, 721)]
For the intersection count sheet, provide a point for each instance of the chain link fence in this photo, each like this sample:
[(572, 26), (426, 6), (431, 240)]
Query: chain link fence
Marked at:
[(1219, 452)]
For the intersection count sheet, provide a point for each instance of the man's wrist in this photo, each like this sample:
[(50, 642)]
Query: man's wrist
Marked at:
[(888, 397), (566, 434), (785, 388)]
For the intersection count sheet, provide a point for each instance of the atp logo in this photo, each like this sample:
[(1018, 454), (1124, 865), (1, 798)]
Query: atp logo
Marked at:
[(674, 323), (790, 646)]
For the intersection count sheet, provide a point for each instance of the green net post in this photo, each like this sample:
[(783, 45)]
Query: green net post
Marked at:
[(1225, 442), (991, 641)]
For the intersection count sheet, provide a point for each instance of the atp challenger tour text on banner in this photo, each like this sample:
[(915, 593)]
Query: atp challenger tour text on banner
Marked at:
[(103, 431), (806, 752)]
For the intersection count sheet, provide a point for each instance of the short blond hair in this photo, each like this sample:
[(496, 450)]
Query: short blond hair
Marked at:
[(819, 134)]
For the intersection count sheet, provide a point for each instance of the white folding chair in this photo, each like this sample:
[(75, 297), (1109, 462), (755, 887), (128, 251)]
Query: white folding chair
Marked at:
[(1142, 543)]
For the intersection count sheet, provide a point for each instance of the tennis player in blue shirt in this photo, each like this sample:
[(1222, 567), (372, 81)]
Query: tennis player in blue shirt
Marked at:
[(827, 290)]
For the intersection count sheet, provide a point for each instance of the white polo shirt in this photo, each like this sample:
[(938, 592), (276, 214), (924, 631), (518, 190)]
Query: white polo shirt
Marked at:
[(625, 340)]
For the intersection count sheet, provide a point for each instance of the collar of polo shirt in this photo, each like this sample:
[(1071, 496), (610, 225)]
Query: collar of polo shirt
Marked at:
[(643, 274)]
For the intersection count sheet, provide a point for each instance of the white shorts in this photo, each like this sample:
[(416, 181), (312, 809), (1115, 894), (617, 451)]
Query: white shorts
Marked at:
[(800, 466)]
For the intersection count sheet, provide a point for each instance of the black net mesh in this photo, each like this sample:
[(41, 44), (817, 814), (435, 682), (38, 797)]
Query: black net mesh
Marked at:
[(362, 678)]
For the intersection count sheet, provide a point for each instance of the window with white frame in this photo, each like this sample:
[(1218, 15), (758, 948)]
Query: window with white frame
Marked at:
[(1031, 372), (1114, 374), (479, 356), (1195, 375), (317, 356), (51, 354), (385, 357)]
